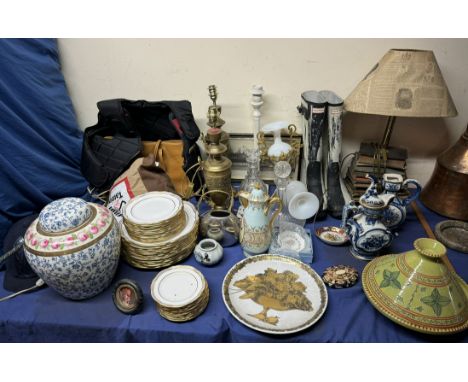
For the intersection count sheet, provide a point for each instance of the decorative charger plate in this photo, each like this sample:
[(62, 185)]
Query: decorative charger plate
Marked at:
[(274, 294), (152, 207)]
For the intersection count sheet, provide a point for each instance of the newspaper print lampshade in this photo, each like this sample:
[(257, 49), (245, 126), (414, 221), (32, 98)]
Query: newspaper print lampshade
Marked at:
[(404, 83)]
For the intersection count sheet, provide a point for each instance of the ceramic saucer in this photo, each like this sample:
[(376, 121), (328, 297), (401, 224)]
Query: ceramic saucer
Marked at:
[(291, 240), (332, 235)]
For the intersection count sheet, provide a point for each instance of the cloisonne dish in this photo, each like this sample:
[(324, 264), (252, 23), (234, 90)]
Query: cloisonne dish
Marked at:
[(274, 294)]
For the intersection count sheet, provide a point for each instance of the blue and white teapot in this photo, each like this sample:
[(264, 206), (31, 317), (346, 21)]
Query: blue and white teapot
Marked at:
[(363, 223), (395, 214)]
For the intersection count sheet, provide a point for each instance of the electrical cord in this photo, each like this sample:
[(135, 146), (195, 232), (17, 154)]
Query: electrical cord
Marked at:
[(39, 283), (18, 244)]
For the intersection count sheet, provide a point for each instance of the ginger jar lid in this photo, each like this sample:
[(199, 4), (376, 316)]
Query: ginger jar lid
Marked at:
[(66, 226), (64, 214)]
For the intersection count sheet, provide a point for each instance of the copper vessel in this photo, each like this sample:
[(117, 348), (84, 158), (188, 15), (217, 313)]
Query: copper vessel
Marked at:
[(447, 191)]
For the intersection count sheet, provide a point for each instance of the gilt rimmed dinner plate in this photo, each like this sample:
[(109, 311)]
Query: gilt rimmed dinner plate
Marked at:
[(191, 218), (177, 286), (274, 294), (152, 207)]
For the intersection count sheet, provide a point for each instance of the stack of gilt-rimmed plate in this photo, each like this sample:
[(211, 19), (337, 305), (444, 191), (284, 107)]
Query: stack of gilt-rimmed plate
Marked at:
[(180, 292), (158, 230)]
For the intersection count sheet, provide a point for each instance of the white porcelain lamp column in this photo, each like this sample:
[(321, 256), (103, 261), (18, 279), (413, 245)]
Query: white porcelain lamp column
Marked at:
[(256, 102)]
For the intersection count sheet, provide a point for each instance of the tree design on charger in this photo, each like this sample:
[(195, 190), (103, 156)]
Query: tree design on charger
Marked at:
[(273, 290)]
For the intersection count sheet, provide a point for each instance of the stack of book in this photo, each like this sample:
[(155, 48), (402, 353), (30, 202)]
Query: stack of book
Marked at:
[(364, 163)]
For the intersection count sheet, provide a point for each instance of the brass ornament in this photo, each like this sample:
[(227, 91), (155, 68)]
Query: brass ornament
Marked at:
[(290, 157)]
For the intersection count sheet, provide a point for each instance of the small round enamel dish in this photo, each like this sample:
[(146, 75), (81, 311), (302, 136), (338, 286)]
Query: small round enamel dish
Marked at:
[(332, 235)]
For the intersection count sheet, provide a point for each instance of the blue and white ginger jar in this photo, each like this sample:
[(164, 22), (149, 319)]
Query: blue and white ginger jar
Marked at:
[(74, 247)]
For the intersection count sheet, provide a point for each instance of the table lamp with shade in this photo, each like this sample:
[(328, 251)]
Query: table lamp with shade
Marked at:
[(404, 83)]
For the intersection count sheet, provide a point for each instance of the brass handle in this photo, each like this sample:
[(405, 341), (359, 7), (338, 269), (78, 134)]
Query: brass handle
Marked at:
[(292, 130), (229, 195), (272, 201)]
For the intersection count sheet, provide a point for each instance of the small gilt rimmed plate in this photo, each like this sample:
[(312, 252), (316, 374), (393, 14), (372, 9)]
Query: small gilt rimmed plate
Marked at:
[(274, 294), (332, 235), (152, 207), (177, 286)]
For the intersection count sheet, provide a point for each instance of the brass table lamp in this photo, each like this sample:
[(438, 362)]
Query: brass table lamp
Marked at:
[(216, 168), (404, 83), (214, 116)]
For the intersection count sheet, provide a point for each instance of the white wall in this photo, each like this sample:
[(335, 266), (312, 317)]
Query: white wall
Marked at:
[(157, 69)]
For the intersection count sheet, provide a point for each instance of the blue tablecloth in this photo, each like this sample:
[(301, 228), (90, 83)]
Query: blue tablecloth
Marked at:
[(45, 316)]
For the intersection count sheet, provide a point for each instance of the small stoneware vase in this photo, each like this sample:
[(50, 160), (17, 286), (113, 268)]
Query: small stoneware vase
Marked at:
[(208, 252), (256, 228), (363, 223), (395, 214), (74, 247), (417, 290)]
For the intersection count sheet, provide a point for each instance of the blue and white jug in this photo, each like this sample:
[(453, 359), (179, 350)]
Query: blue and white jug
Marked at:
[(395, 214), (256, 228), (363, 223)]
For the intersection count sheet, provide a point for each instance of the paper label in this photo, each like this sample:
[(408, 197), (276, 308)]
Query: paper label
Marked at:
[(120, 195)]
